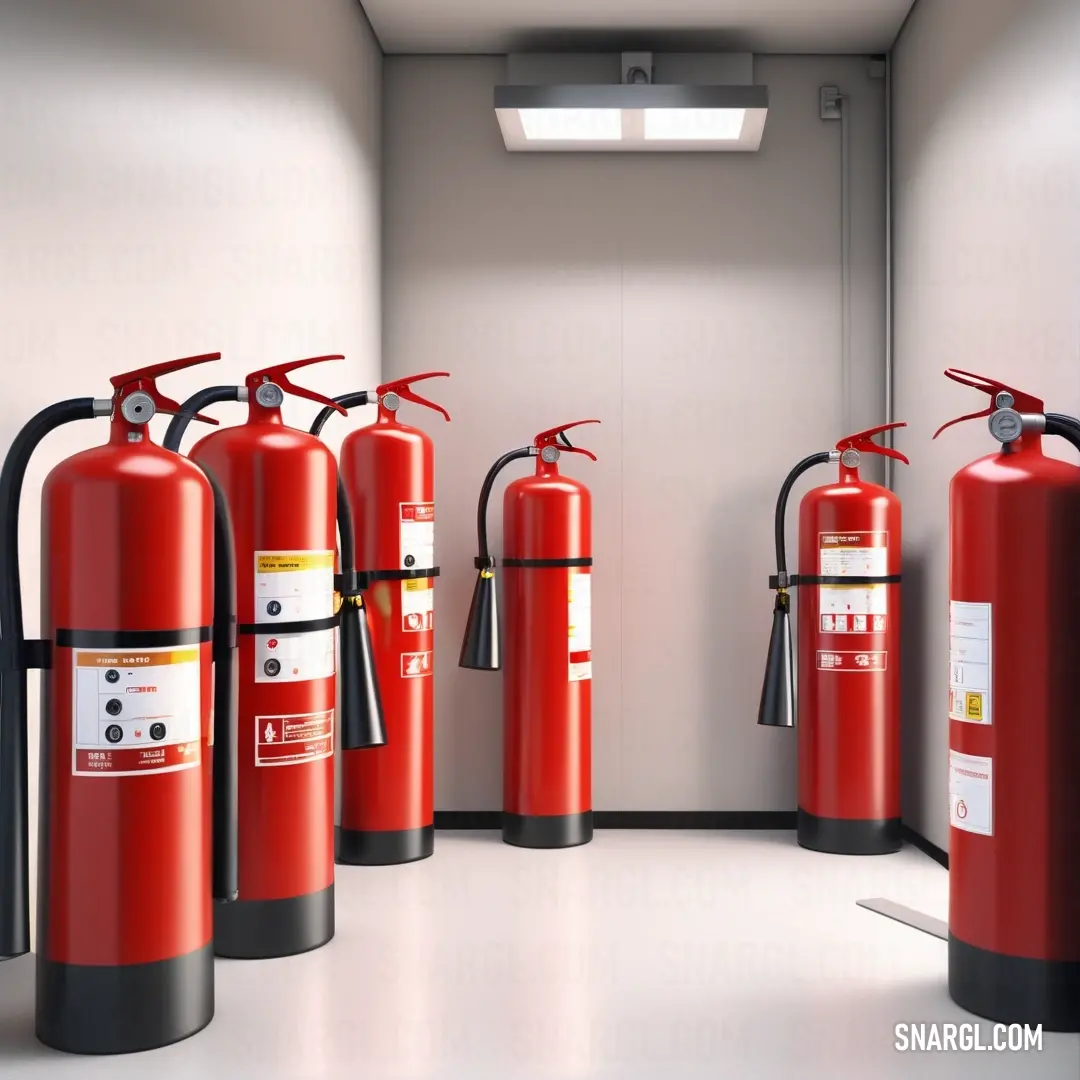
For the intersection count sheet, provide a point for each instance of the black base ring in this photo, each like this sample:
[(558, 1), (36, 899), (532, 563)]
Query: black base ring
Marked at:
[(371, 847), (547, 830), (848, 836), (1015, 989), (84, 1009), (264, 929)]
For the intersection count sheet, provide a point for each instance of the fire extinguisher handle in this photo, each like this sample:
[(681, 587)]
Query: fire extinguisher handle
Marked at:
[(863, 441), (1019, 400), (552, 435), (403, 389), (279, 376), (145, 380), (354, 400)]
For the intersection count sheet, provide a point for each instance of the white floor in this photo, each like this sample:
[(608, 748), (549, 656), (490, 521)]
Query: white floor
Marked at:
[(644, 954)]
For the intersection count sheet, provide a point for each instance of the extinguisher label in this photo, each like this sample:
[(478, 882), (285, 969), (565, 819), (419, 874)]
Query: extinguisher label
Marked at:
[(971, 793), (294, 740), (417, 665), (136, 711), (852, 661), (417, 605), (853, 609), (283, 658), (579, 618), (417, 535), (293, 586), (970, 662)]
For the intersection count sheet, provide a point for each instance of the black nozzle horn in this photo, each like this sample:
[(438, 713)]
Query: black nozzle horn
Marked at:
[(363, 725), (777, 707), (480, 646)]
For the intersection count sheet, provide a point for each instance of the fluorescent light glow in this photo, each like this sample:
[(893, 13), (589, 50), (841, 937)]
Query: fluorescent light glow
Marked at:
[(571, 125), (706, 125)]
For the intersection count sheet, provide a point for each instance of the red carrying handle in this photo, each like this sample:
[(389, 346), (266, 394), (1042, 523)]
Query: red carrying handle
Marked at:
[(403, 389), (280, 377), (1021, 402), (144, 379), (550, 438), (863, 442)]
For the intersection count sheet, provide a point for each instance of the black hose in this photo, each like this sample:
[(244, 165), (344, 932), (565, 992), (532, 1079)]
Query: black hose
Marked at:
[(781, 504), (351, 400), (198, 401), (485, 496), (14, 791), (225, 859), (1065, 427), (346, 536)]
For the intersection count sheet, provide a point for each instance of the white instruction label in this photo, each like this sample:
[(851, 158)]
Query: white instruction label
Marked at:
[(417, 605), (853, 609), (970, 662), (971, 793), (294, 740), (136, 711), (417, 535), (580, 625), (282, 658), (293, 586)]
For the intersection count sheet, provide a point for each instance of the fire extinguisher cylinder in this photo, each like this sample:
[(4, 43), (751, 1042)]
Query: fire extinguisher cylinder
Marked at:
[(547, 684), (139, 618), (1014, 744), (387, 493), (848, 703), (282, 489)]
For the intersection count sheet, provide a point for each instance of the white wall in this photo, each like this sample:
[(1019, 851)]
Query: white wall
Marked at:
[(987, 264), (179, 177), (692, 302)]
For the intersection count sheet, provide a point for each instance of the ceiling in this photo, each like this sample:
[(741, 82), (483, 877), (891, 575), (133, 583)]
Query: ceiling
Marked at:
[(760, 26)]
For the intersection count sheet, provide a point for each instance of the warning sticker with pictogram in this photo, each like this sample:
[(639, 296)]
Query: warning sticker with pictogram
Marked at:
[(294, 740), (136, 711), (417, 665), (579, 618), (417, 535), (293, 586), (853, 609), (852, 661), (417, 605), (971, 793), (970, 662), (290, 658)]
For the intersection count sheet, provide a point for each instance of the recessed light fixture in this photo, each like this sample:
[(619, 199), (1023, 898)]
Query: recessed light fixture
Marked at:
[(632, 116)]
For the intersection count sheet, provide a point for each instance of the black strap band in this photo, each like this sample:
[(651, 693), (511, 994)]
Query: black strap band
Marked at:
[(300, 626), (369, 577), (33, 655), (131, 639), (544, 564), (814, 579)]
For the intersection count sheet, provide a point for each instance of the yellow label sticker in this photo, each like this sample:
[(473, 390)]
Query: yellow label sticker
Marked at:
[(134, 659), (973, 706), (416, 584), (290, 562)]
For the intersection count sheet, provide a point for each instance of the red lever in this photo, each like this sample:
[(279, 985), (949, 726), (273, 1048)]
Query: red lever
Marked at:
[(144, 379), (279, 376), (550, 437), (402, 388), (1022, 402), (863, 442)]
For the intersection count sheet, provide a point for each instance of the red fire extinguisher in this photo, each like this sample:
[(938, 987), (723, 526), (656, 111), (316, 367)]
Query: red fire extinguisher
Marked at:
[(387, 467), (849, 654), (135, 838), (1014, 741), (547, 737), (282, 490)]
